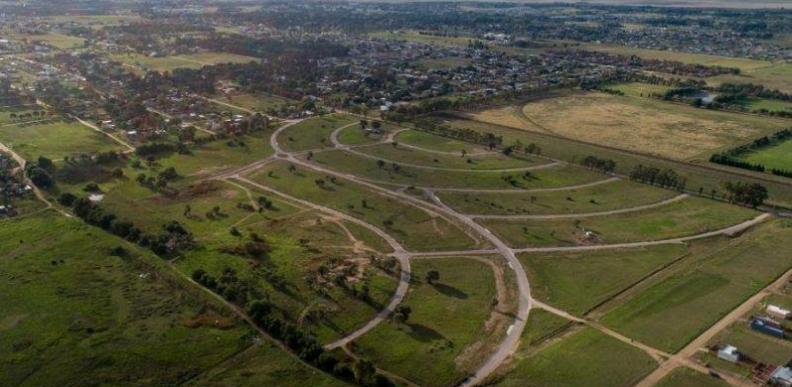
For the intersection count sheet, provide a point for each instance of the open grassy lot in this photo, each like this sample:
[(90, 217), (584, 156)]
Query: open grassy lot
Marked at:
[(744, 64), (682, 218), (400, 154), (437, 143), (598, 198), (313, 133), (446, 317), (71, 314), (579, 281), (756, 345), (59, 41), (55, 140), (776, 156), (410, 225), (170, 63), (584, 358), (670, 311), (774, 76), (21, 114), (772, 105), (263, 365), (557, 176), (354, 135), (685, 377), (706, 177), (257, 102), (637, 89), (638, 124)]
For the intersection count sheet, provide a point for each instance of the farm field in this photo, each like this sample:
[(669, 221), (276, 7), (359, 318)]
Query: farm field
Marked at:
[(719, 275), (410, 156), (314, 133), (55, 140), (68, 308), (638, 124), (410, 225), (776, 156), (577, 282), (682, 218), (599, 361), (447, 317), (603, 197), (555, 176)]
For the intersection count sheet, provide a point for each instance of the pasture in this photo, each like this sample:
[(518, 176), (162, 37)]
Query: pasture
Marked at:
[(775, 156), (447, 317)]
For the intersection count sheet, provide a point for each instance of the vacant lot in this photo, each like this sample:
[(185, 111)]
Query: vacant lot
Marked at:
[(401, 154), (410, 225), (13, 115), (68, 309), (604, 197), (579, 281), (314, 133), (437, 143), (637, 89), (170, 63), (776, 156), (55, 140), (446, 317), (59, 41), (557, 176), (585, 358), (685, 377), (637, 124), (682, 218), (257, 102), (669, 312)]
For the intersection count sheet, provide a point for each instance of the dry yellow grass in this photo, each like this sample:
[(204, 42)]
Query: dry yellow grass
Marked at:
[(637, 124)]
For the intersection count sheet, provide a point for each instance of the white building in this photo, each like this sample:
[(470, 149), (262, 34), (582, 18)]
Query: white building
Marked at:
[(729, 353)]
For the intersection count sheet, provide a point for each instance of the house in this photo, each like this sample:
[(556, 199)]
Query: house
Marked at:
[(729, 353), (763, 326), (778, 311), (782, 376)]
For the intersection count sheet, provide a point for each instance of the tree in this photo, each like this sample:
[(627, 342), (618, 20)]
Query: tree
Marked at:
[(402, 313), (432, 275)]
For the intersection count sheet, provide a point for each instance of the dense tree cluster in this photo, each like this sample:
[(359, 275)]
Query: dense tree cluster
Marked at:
[(667, 178)]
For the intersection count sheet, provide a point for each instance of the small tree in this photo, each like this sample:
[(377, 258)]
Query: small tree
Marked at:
[(432, 275), (402, 313)]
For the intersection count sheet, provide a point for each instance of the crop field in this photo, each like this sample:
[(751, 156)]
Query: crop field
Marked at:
[(447, 317), (579, 281), (586, 357), (682, 218), (670, 311), (492, 161), (69, 309), (54, 140), (410, 225), (314, 133), (637, 124), (775, 156), (602, 197), (397, 174)]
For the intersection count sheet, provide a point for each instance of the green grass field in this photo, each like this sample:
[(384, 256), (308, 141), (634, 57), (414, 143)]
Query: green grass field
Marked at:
[(585, 358), (401, 154), (775, 76), (557, 176), (637, 89), (260, 103), (313, 133), (685, 377), (670, 311), (579, 281), (5, 114), (55, 141), (354, 135), (71, 313), (438, 143), (603, 197), (757, 346), (415, 228), (743, 64), (59, 41), (446, 318), (682, 218), (776, 156), (189, 61)]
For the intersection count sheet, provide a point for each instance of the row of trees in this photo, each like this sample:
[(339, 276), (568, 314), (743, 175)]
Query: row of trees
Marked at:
[(667, 178), (732, 156), (599, 164)]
